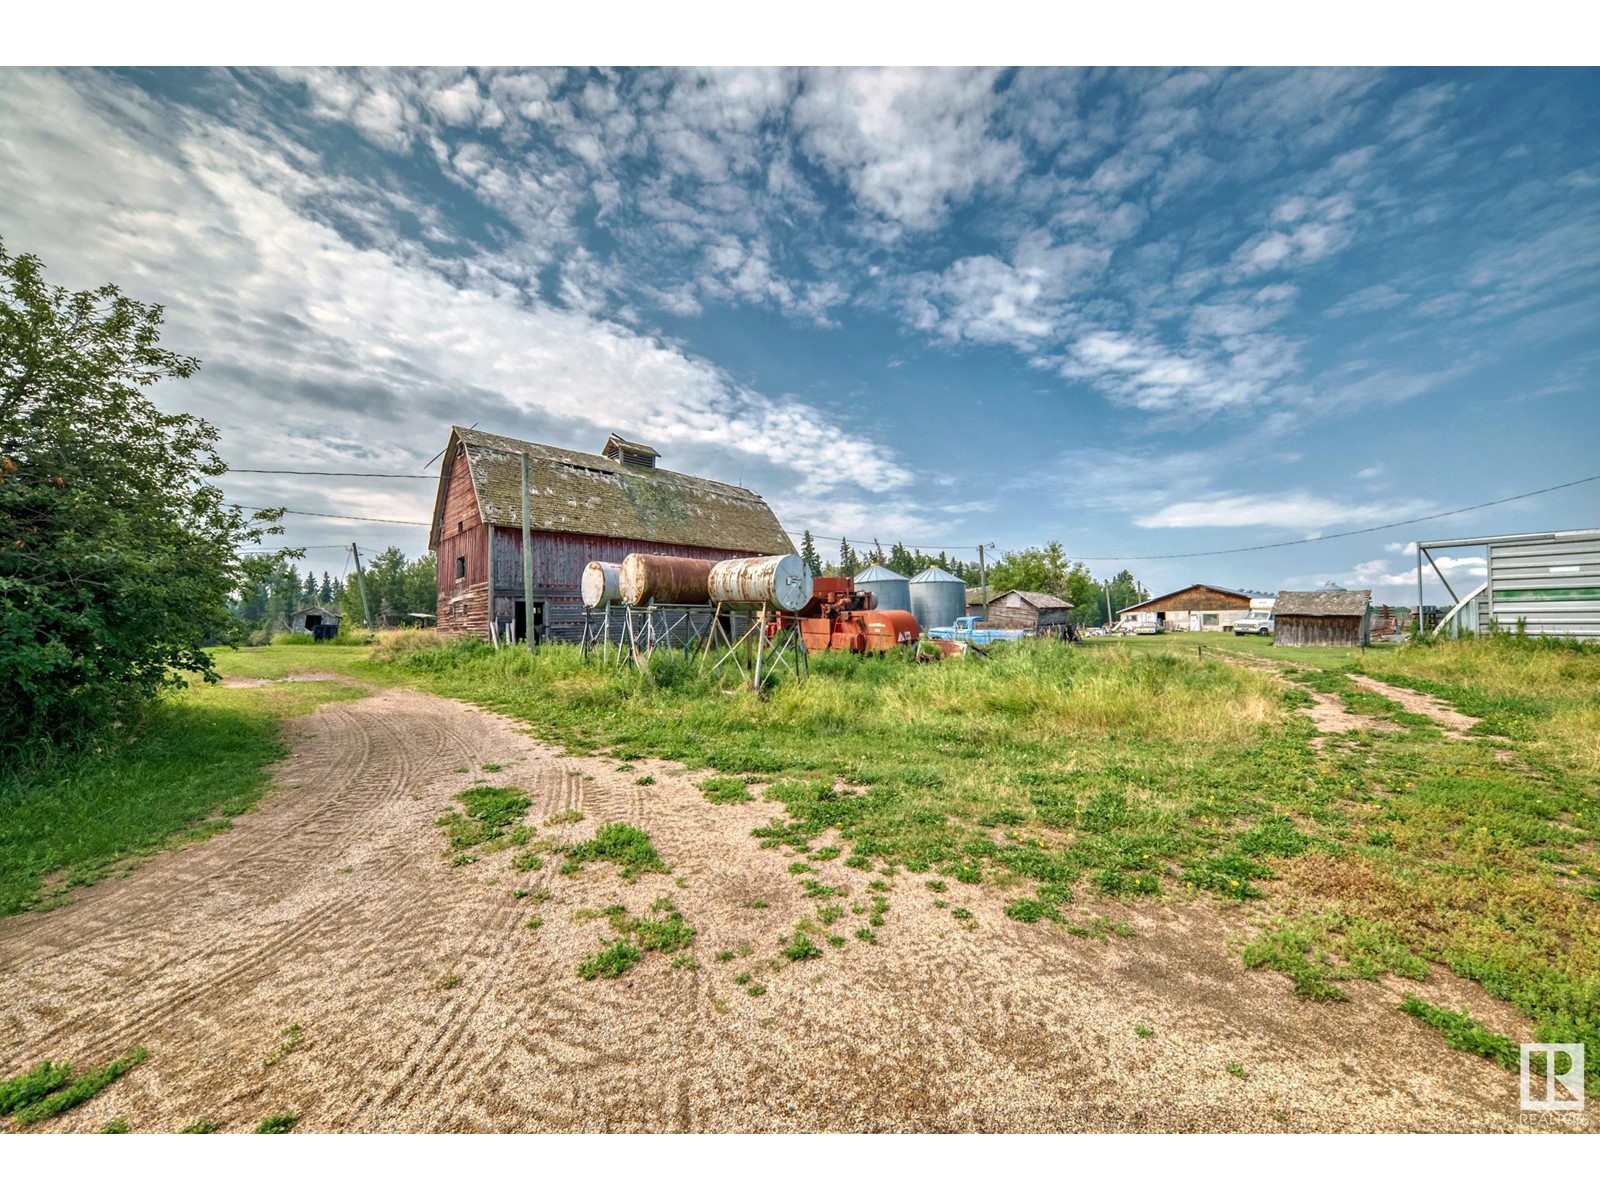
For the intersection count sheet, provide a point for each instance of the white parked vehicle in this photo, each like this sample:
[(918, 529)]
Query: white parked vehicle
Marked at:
[(1259, 623)]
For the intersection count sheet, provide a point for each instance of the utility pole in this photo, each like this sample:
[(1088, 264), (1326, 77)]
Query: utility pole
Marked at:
[(1106, 583), (527, 557), (983, 576), (361, 582)]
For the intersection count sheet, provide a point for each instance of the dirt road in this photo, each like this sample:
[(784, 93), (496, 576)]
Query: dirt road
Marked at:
[(334, 907)]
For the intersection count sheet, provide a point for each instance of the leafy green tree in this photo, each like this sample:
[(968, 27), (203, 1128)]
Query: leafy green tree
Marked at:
[(901, 561), (118, 554)]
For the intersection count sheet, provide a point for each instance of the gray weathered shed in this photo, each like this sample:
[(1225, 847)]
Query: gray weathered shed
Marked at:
[(1037, 612), (307, 620), (1331, 618)]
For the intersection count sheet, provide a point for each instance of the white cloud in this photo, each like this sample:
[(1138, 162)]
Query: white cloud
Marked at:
[(1377, 573), (908, 142), (1283, 510), (300, 330)]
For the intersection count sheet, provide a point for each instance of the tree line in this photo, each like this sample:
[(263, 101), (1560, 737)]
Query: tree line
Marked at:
[(397, 589), (1044, 568)]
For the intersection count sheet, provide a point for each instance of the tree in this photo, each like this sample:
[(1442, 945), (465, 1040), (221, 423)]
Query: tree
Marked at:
[(325, 592), (849, 561), (308, 594), (808, 553), (119, 556)]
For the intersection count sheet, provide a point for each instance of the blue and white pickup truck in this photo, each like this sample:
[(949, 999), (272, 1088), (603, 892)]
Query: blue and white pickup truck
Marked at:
[(966, 630)]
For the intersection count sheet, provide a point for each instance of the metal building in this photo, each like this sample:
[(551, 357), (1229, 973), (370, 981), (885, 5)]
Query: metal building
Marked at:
[(1545, 584), (891, 589), (937, 598)]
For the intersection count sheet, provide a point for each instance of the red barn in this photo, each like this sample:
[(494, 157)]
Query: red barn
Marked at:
[(582, 508)]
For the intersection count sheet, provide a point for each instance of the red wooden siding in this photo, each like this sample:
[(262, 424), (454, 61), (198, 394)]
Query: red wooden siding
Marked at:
[(463, 604)]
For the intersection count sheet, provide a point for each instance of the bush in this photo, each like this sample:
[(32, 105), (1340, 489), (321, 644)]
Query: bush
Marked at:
[(120, 555)]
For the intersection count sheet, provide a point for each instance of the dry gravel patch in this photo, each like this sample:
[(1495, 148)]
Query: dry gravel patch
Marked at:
[(334, 907)]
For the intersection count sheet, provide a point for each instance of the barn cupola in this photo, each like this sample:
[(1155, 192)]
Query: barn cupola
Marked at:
[(630, 454)]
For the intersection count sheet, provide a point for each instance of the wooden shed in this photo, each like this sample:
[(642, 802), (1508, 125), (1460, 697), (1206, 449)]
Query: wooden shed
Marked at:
[(1198, 608), (1037, 612), (582, 508), (309, 620), (1331, 618)]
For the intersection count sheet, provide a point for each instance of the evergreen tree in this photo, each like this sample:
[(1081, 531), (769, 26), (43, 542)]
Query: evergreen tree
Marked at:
[(808, 553), (900, 560), (308, 594), (325, 592), (849, 561)]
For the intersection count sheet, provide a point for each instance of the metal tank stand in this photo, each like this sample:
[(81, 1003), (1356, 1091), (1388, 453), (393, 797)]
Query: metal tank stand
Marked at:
[(757, 656), (597, 634), (655, 627)]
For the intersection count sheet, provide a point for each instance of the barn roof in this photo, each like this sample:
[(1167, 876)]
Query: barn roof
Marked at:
[(577, 493), (1155, 601), (1323, 604), (1039, 600)]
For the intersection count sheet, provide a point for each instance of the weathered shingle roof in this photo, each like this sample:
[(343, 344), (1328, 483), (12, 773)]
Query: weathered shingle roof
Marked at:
[(573, 492), (1323, 604), (621, 444), (1039, 600)]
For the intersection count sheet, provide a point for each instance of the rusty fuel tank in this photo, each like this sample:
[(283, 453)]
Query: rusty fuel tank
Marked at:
[(777, 581), (663, 579), (602, 584)]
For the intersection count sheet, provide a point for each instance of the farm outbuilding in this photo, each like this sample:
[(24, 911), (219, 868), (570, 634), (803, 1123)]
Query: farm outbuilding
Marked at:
[(1037, 612), (1198, 608), (1330, 618), (581, 508), (309, 620), (1540, 583)]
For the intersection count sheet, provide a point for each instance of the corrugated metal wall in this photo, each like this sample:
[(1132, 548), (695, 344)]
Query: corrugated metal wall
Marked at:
[(1553, 586)]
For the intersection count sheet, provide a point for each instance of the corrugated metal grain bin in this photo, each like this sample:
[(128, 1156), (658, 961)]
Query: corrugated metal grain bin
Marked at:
[(891, 589), (937, 597)]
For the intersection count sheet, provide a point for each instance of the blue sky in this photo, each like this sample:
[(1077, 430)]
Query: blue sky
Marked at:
[(1142, 312)]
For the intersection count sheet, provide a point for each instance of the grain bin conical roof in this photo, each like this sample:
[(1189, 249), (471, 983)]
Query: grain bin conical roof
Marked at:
[(936, 575), (876, 573)]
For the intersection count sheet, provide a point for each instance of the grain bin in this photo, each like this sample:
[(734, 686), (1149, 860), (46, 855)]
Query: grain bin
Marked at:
[(937, 598), (890, 589), (602, 584), (781, 581), (663, 579)]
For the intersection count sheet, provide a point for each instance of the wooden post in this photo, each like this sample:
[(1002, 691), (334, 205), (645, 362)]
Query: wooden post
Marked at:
[(527, 556), (361, 582)]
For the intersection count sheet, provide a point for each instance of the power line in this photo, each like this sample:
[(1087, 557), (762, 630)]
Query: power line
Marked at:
[(331, 516), (1305, 541), (340, 474)]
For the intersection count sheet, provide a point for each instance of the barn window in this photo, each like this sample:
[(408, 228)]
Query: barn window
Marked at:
[(1210, 619), (460, 526), (461, 566)]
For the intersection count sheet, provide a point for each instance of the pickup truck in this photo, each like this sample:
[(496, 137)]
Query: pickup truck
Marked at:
[(966, 630)]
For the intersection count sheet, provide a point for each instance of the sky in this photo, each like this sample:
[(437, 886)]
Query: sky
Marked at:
[(1141, 312)]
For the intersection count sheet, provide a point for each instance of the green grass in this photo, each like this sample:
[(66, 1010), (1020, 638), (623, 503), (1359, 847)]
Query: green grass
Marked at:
[(488, 817), (612, 960), (80, 1088), (799, 948), (1463, 1032), (194, 760), (201, 1126), (22, 1090), (116, 1126), (625, 845), (278, 1123)]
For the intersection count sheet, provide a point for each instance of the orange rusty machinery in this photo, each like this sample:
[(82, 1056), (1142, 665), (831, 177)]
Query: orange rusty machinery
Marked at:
[(837, 617)]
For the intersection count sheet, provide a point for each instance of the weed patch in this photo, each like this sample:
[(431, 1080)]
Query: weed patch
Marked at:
[(628, 847)]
